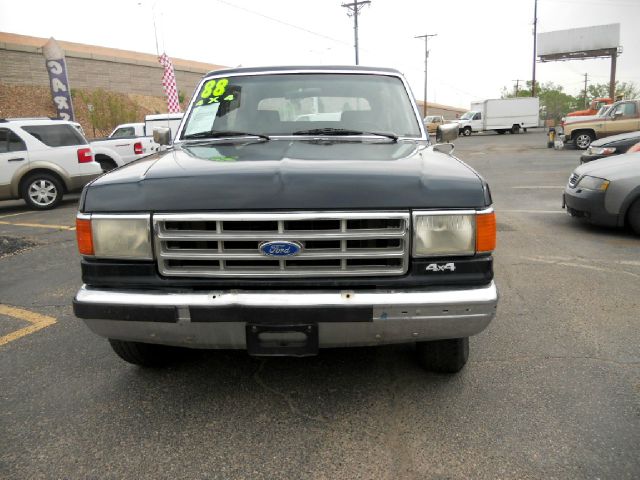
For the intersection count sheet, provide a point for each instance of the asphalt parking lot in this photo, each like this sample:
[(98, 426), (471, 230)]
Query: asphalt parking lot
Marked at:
[(552, 388)]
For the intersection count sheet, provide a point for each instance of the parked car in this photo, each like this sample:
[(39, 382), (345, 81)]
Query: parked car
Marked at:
[(606, 192), (128, 130), (622, 117), (609, 146), (42, 159), (132, 141), (260, 232), (595, 105), (432, 122), (604, 111), (500, 115)]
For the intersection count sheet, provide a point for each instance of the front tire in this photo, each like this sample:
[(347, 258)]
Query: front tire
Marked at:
[(583, 140), (515, 129), (143, 354), (443, 356), (42, 191), (466, 131), (633, 217)]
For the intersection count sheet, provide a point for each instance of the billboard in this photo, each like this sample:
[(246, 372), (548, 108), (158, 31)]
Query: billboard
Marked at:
[(564, 43)]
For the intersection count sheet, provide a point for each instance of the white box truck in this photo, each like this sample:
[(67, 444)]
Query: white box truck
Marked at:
[(500, 115)]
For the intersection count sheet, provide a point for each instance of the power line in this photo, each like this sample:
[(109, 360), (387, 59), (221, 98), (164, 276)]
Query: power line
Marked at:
[(354, 10), (297, 27), (608, 3)]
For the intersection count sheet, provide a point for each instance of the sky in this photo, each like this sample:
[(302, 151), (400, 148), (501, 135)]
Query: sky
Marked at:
[(480, 47)]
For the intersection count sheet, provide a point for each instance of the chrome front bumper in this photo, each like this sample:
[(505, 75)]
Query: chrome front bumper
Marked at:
[(218, 319)]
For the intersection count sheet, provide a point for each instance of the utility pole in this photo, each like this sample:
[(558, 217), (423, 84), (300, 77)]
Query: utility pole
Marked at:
[(426, 59), (585, 89), (517, 80), (354, 10), (535, 31)]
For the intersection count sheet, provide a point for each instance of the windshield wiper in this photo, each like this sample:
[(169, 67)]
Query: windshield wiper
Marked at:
[(344, 131), (224, 134)]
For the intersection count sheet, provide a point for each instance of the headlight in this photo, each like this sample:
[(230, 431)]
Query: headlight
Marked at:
[(114, 236), (438, 234), (600, 150), (593, 183)]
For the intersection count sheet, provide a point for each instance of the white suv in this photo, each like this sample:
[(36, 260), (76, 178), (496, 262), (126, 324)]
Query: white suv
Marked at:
[(42, 159)]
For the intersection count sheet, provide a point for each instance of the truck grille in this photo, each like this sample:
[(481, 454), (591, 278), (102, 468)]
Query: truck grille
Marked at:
[(573, 180), (333, 244)]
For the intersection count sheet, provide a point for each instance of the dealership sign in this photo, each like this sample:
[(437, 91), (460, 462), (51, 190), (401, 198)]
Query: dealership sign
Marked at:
[(58, 80)]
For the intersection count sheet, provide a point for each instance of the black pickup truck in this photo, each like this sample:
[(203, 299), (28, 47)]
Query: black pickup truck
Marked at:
[(298, 208)]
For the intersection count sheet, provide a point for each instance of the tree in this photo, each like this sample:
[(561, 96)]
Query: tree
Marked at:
[(553, 100), (627, 90)]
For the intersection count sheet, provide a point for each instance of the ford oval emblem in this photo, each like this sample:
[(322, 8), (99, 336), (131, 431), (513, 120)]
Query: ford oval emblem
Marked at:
[(280, 248)]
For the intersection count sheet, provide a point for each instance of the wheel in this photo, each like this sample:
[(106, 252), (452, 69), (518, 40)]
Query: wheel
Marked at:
[(143, 354), (42, 191), (466, 131), (443, 356), (583, 140), (633, 217), (515, 129), (106, 163)]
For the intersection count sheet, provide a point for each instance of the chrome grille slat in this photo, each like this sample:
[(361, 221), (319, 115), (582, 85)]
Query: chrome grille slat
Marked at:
[(194, 254), (340, 244), (301, 235)]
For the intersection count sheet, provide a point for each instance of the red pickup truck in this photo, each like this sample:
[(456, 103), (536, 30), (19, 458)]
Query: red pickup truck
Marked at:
[(595, 105)]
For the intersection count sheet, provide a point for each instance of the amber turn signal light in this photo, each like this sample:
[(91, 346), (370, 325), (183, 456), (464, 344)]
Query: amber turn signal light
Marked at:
[(486, 232), (84, 236)]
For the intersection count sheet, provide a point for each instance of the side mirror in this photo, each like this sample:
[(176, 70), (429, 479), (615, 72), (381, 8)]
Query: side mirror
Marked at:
[(162, 135), (617, 115), (447, 133)]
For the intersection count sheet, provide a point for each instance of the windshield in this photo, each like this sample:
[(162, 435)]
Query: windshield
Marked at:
[(467, 116), (603, 110), (283, 104)]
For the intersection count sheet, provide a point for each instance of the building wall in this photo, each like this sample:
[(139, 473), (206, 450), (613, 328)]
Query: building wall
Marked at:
[(21, 62), (124, 71), (449, 113)]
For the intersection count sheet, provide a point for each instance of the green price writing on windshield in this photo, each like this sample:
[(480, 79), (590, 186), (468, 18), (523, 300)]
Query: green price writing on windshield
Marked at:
[(212, 90), (215, 88)]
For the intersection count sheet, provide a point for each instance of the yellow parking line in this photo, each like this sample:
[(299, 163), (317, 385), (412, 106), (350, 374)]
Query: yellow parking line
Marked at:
[(39, 225), (37, 321)]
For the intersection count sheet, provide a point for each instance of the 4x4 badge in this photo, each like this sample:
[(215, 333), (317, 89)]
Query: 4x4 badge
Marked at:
[(434, 267)]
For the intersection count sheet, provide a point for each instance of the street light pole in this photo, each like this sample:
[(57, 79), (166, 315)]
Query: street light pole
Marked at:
[(426, 59)]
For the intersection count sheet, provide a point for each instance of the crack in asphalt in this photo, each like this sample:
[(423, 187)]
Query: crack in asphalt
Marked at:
[(289, 401)]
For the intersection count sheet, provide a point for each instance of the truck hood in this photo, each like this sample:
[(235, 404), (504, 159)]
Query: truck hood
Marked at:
[(613, 168), (288, 175)]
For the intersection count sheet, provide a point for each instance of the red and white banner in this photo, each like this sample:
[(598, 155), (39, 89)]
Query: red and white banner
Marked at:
[(169, 84)]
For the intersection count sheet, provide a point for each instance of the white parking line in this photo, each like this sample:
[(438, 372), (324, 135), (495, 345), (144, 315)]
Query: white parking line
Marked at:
[(15, 214)]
